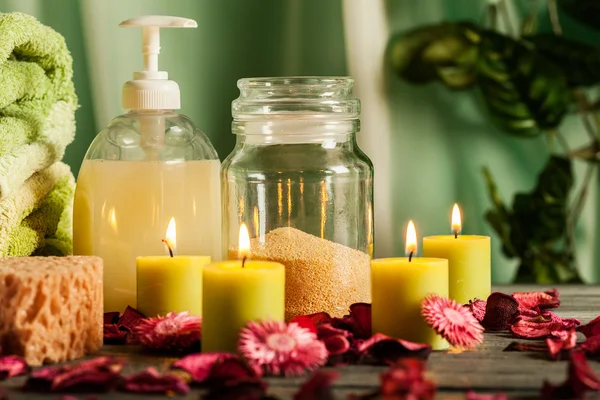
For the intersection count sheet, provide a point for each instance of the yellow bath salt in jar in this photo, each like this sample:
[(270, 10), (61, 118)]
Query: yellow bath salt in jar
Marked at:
[(297, 179)]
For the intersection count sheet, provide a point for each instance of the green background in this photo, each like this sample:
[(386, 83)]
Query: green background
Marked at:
[(438, 141)]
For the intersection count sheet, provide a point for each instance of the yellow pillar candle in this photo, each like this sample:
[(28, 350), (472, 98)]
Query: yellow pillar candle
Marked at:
[(469, 261), (398, 287), (170, 283), (236, 292)]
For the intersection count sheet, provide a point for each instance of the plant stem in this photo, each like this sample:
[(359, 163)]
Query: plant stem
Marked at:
[(503, 8), (529, 24), (554, 19), (563, 142), (579, 201), (583, 107)]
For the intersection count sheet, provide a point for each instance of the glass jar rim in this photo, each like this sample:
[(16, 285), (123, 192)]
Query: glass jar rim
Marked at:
[(296, 97)]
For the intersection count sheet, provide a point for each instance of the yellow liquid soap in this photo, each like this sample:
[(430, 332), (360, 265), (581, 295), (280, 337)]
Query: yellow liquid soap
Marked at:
[(122, 210)]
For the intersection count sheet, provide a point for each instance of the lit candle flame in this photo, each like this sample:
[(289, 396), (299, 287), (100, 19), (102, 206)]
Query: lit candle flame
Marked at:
[(243, 243), (411, 239), (170, 239), (456, 222)]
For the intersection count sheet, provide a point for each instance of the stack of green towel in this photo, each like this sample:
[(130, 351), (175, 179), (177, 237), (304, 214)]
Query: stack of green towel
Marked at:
[(37, 122)]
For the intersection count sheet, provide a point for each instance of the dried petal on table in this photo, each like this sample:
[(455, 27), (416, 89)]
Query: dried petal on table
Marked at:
[(179, 332), (485, 396), (12, 365), (561, 340), (590, 329), (567, 323), (591, 346), (452, 321), (318, 386), (358, 321), (210, 368), (581, 379), (151, 381), (111, 317), (99, 374), (537, 328), (547, 299), (114, 334), (477, 307), (384, 349), (306, 322), (278, 348), (245, 389), (130, 318), (501, 310), (406, 378)]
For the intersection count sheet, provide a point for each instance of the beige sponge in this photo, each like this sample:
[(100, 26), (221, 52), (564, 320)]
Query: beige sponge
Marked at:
[(50, 307)]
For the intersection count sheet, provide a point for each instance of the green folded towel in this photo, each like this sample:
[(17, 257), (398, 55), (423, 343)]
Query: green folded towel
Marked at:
[(42, 225), (29, 197), (37, 100)]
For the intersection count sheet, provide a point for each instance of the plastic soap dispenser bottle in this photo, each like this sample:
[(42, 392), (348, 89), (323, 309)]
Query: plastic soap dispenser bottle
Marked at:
[(147, 167)]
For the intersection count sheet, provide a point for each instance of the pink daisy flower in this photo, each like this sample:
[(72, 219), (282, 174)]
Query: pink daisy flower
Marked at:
[(452, 321), (171, 332), (279, 348)]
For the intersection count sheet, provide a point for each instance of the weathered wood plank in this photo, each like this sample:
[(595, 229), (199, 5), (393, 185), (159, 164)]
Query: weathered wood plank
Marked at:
[(487, 370)]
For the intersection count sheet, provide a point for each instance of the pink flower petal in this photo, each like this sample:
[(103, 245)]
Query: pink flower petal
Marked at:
[(590, 329), (547, 299), (151, 381), (581, 379), (500, 311), (566, 340), (178, 332), (384, 349), (280, 348), (12, 366), (452, 321), (538, 328), (477, 308), (206, 367), (99, 374), (485, 396), (318, 387)]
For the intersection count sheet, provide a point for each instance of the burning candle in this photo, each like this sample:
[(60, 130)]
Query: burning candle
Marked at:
[(398, 285), (170, 283), (469, 261), (238, 291)]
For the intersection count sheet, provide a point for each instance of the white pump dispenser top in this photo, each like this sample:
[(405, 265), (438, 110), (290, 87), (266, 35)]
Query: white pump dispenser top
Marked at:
[(151, 89)]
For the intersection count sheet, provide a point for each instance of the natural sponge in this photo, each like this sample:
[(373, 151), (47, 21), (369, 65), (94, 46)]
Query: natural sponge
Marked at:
[(50, 307)]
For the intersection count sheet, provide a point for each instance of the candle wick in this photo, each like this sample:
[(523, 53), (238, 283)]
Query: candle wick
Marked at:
[(168, 247), (244, 261), (455, 234), (410, 256)]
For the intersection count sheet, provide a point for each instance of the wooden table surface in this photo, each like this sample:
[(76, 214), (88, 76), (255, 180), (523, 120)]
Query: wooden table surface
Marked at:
[(519, 375)]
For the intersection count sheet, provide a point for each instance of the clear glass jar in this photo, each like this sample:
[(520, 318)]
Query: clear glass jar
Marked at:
[(304, 189), (146, 168)]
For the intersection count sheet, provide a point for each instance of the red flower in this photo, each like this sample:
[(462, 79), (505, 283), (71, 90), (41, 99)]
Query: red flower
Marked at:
[(279, 348), (536, 328), (592, 346), (452, 321), (117, 326), (171, 332)]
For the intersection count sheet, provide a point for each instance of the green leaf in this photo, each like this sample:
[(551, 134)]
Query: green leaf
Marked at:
[(586, 11), (579, 62), (540, 217), (524, 92), (445, 52)]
